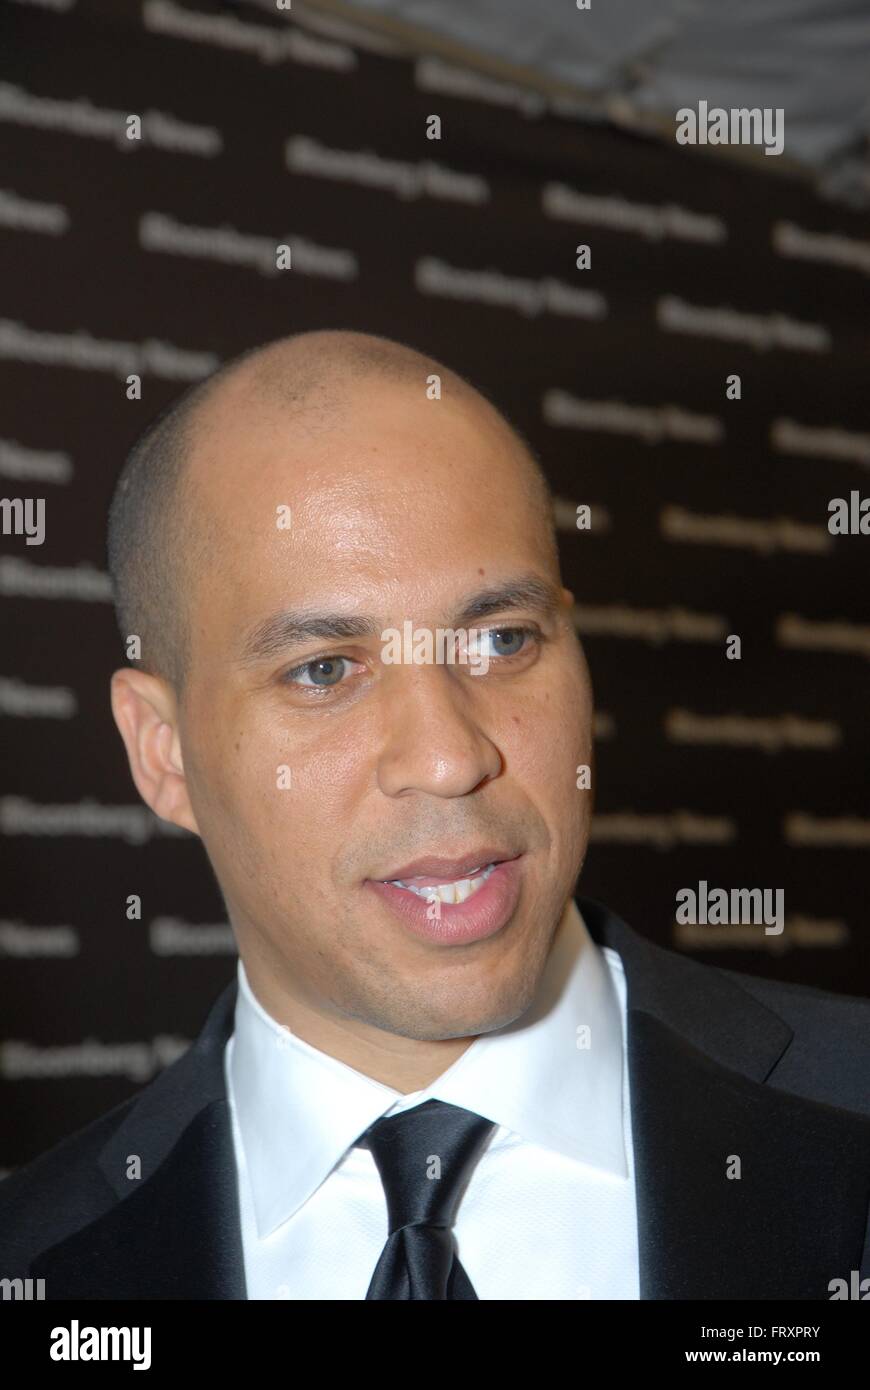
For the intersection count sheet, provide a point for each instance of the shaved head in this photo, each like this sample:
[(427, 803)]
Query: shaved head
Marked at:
[(162, 540)]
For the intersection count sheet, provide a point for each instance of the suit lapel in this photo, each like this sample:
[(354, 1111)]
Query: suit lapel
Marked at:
[(702, 1057), (176, 1232)]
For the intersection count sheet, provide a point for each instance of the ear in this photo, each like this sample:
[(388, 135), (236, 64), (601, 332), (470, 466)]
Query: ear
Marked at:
[(146, 714), (567, 598)]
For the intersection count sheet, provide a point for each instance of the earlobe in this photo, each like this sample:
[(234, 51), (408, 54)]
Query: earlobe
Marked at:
[(145, 712)]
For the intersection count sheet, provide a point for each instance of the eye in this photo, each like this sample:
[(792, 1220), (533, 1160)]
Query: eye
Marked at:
[(326, 671), (507, 643), (515, 636)]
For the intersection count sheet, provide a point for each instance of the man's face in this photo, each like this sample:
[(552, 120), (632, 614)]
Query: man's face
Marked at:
[(316, 769)]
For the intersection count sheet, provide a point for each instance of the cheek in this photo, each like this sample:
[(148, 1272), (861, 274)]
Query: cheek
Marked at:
[(295, 797), (542, 762), (554, 728), (241, 777)]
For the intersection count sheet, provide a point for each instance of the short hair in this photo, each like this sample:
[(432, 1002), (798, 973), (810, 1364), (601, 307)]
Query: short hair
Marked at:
[(153, 543)]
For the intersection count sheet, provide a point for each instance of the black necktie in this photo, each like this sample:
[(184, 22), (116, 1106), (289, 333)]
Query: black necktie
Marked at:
[(423, 1156)]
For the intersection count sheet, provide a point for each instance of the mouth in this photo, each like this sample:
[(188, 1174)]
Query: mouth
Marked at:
[(453, 891), (450, 881), (454, 902)]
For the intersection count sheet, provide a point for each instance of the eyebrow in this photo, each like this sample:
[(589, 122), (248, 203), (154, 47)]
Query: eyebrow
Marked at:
[(291, 627)]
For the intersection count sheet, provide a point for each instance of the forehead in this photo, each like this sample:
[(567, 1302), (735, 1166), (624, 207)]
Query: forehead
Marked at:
[(385, 496)]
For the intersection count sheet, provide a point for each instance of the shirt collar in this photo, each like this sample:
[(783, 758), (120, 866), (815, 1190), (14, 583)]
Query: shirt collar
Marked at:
[(298, 1109)]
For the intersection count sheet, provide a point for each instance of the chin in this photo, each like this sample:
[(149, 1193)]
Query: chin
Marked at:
[(485, 1017)]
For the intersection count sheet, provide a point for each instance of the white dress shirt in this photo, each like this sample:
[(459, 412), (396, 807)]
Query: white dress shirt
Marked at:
[(549, 1211)]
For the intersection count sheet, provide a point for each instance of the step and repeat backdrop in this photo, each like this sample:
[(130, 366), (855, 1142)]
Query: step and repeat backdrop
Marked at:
[(683, 339)]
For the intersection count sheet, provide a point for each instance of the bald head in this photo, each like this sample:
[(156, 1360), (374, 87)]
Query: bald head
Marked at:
[(161, 538)]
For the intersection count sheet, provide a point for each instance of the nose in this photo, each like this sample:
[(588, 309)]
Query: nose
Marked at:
[(433, 740)]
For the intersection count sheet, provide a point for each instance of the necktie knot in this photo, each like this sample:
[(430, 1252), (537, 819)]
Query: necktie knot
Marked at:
[(425, 1156)]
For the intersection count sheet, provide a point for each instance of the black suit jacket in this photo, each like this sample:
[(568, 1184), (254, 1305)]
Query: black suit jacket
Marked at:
[(721, 1064)]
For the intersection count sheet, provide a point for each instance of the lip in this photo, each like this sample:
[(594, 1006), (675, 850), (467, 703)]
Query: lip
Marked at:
[(482, 915), (448, 870)]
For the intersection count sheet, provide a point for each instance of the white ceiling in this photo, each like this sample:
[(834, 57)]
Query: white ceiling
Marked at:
[(639, 61)]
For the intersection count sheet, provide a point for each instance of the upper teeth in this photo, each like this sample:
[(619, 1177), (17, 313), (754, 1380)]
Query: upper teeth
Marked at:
[(455, 892)]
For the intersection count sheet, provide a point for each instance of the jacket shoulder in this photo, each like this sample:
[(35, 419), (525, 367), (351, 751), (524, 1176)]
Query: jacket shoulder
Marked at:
[(798, 1003), (65, 1188), (825, 1035), (57, 1193), (829, 1056)]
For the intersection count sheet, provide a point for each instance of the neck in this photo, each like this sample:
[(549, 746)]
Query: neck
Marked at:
[(404, 1064)]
